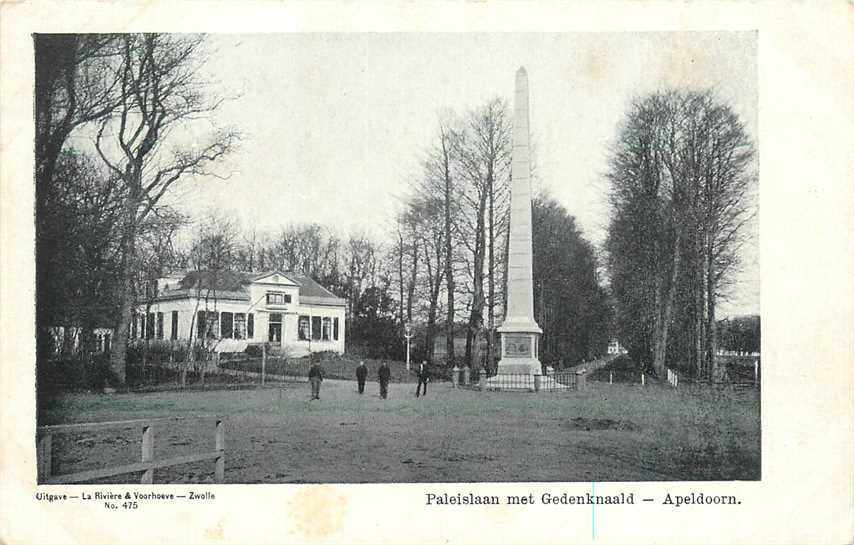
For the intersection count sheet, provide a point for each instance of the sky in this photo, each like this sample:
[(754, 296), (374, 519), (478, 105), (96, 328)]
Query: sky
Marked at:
[(335, 125)]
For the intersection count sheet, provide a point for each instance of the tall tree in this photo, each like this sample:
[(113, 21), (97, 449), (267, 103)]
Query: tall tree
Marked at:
[(440, 179), (161, 93), (73, 87), (570, 303), (681, 176), (484, 157)]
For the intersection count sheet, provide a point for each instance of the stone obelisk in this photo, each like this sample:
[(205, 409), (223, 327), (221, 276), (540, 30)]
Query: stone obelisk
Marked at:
[(520, 333)]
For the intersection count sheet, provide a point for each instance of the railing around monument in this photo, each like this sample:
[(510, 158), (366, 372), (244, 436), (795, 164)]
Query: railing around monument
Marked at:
[(560, 381)]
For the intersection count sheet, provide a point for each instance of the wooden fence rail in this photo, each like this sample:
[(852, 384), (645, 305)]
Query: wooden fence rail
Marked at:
[(147, 465)]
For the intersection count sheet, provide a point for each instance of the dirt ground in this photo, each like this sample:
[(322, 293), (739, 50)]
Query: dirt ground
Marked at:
[(607, 433)]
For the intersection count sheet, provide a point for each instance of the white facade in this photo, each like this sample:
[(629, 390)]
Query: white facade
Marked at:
[(614, 347), (288, 310)]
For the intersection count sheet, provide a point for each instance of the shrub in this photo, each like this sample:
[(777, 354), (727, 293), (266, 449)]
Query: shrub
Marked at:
[(75, 373)]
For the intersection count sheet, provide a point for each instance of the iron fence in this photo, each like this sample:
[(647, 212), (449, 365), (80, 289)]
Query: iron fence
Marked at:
[(561, 381)]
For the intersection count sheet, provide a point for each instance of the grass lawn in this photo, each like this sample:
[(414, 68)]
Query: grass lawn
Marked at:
[(334, 366), (618, 432)]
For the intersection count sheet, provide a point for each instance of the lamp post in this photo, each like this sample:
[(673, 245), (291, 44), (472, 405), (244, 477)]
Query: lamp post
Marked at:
[(408, 335)]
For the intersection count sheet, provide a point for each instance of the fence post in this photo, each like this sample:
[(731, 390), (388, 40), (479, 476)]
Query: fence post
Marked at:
[(580, 380), (147, 454), (643, 380), (263, 363), (219, 445), (755, 372), (44, 455), (610, 377)]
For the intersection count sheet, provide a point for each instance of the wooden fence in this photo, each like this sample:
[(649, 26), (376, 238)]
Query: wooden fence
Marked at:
[(147, 465)]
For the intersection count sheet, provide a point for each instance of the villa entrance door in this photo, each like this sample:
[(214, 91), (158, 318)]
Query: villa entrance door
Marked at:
[(275, 335)]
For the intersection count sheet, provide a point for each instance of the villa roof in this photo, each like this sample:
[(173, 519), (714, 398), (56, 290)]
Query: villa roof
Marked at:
[(235, 284)]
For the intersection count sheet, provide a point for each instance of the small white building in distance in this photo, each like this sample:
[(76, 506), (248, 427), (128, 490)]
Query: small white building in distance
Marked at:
[(614, 347), (286, 309)]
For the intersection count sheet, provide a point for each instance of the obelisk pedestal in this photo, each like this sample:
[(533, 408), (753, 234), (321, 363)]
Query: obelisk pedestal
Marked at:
[(520, 333)]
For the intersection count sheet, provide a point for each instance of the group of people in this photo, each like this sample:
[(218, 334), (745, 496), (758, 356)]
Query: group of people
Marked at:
[(315, 377)]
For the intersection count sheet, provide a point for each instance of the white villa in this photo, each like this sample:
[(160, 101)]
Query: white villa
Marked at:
[(286, 309)]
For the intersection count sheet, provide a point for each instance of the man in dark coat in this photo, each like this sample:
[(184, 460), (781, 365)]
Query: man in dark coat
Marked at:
[(361, 375), (315, 376), (384, 375), (423, 378)]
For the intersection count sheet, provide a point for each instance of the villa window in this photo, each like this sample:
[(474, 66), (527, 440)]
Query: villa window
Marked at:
[(213, 325), (227, 325), (239, 326), (304, 328), (208, 328), (250, 326), (159, 325), (149, 326), (327, 329), (315, 328), (277, 298), (174, 335), (335, 329)]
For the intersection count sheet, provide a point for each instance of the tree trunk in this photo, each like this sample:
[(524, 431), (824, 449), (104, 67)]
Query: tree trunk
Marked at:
[(711, 325), (666, 298), (431, 328), (476, 316), (400, 275), (410, 289), (118, 356), (449, 274), (490, 357)]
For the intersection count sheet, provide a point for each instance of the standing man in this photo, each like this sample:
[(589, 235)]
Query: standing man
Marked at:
[(361, 375), (315, 376), (423, 377), (384, 375)]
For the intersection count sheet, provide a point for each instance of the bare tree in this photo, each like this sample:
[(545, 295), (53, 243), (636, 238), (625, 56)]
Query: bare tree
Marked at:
[(160, 93), (74, 85), (440, 179), (432, 243), (213, 256), (362, 257), (484, 158)]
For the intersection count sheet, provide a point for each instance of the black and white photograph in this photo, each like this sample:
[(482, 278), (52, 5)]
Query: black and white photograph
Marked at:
[(365, 258), (459, 273)]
